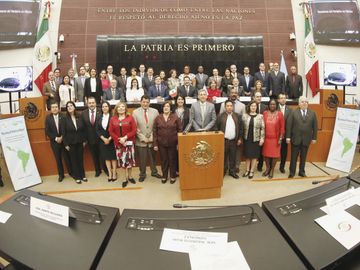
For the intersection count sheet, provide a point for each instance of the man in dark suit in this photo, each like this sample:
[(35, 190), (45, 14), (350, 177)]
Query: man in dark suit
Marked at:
[(276, 81), (114, 93), (234, 73), (58, 79), (247, 82), (187, 90), (50, 89), (158, 90), (88, 118), (92, 87), (122, 79), (53, 129), (215, 77), (141, 72), (262, 75), (201, 78), (148, 80), (300, 132), (294, 84), (230, 123), (286, 111)]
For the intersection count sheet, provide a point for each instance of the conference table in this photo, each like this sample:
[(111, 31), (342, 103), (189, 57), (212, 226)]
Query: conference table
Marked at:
[(32, 243)]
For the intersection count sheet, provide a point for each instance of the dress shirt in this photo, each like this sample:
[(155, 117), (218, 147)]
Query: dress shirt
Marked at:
[(247, 79), (113, 92), (56, 119), (93, 85), (230, 131), (282, 108), (203, 110)]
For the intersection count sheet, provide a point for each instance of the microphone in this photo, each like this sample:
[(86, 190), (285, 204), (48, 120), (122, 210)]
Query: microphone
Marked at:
[(323, 181)]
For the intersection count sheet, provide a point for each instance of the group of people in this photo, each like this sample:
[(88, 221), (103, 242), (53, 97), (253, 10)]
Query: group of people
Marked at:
[(105, 85)]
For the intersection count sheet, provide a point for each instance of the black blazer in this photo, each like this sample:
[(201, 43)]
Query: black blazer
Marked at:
[(90, 130), (300, 130), (276, 83), (87, 90), (221, 124), (263, 108), (50, 127), (294, 89), (72, 135), (121, 83), (225, 82), (146, 83), (186, 117), (100, 131), (243, 83), (192, 91)]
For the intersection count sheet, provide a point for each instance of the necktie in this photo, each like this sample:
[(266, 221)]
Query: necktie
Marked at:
[(187, 90), (92, 119), (113, 93), (158, 90), (263, 75), (203, 113), (57, 122), (82, 81), (146, 117), (53, 86), (303, 114)]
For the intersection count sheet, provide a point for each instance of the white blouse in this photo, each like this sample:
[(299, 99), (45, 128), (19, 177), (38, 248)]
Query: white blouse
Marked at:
[(134, 94), (105, 121), (64, 94)]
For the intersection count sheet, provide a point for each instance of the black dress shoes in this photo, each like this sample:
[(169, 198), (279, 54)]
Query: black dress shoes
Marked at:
[(141, 179), (124, 184), (291, 176), (132, 180), (282, 170), (164, 180), (156, 175), (234, 175), (97, 174), (302, 175), (61, 178)]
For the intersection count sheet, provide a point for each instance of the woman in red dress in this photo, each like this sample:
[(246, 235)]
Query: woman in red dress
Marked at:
[(122, 130), (274, 133), (213, 92), (105, 84)]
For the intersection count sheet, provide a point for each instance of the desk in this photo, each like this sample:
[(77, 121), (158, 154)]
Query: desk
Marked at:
[(31, 242), (134, 249), (294, 216)]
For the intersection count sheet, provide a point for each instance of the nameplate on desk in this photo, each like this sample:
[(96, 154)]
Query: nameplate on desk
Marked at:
[(49, 211), (190, 100), (113, 101), (221, 99)]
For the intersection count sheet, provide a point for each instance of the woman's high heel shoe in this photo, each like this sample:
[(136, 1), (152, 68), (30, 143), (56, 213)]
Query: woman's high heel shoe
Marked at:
[(246, 174), (251, 175)]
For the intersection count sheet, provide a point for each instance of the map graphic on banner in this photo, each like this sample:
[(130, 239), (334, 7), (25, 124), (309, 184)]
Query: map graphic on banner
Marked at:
[(18, 154), (344, 139)]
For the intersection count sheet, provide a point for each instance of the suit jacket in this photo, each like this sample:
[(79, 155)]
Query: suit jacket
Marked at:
[(276, 84), (201, 82), (72, 135), (165, 132), (287, 113), (225, 82), (79, 88), (185, 118), (100, 131), (121, 82), (221, 124), (87, 90), (47, 90), (196, 118), (153, 92), (144, 130), (192, 91), (300, 130), (264, 80), (259, 127), (146, 82), (218, 81), (294, 89), (262, 108), (90, 135), (247, 87), (119, 94), (50, 127)]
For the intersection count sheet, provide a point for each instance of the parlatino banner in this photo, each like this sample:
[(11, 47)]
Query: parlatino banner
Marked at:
[(18, 154), (344, 139)]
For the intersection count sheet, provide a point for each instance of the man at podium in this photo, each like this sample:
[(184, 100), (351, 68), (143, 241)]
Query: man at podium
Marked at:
[(202, 113)]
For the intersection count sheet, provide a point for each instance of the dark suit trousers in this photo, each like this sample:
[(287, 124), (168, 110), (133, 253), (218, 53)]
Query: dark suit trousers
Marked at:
[(230, 156), (77, 160), (144, 153), (95, 154), (283, 153), (59, 151), (168, 161), (295, 151)]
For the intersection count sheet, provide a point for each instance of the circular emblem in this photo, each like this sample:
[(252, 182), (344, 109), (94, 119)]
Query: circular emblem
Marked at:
[(332, 102), (344, 226), (202, 154), (310, 49), (42, 53), (31, 112)]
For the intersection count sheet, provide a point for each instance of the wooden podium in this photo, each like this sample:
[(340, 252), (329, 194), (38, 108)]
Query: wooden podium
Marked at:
[(201, 165)]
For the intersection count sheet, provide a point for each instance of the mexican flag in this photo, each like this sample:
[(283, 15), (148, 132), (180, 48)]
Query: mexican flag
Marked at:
[(42, 61), (311, 60)]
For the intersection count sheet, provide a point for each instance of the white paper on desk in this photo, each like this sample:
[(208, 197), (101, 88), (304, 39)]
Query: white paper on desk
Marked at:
[(344, 227), (113, 101), (342, 201), (184, 241), (153, 101), (229, 257), (4, 216), (79, 104), (190, 100), (221, 99)]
